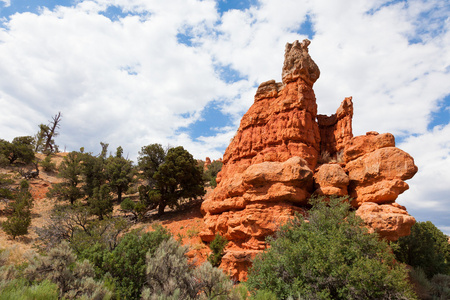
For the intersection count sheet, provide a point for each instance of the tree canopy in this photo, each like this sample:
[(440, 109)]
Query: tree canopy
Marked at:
[(426, 247), (171, 179), (70, 170)]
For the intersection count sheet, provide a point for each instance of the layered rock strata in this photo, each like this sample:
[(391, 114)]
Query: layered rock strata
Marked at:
[(283, 152)]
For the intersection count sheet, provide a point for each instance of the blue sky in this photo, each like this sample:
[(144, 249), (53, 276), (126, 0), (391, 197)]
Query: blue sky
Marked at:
[(183, 72)]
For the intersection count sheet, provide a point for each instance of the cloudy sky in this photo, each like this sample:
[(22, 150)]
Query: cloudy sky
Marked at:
[(183, 72)]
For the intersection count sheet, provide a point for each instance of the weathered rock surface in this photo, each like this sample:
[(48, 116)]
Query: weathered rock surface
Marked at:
[(284, 151), (331, 179), (379, 176), (390, 221)]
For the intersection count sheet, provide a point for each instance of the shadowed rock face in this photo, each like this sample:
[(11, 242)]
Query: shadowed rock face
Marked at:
[(283, 152)]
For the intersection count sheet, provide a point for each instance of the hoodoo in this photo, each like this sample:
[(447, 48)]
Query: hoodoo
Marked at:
[(283, 152)]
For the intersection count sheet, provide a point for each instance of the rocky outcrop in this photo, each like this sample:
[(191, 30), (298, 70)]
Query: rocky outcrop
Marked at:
[(283, 152), (390, 221)]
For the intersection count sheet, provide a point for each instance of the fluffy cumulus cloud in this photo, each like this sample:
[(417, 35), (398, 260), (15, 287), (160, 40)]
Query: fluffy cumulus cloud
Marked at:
[(135, 72)]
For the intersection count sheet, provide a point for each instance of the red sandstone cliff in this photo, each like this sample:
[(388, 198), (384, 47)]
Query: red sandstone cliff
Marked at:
[(283, 152)]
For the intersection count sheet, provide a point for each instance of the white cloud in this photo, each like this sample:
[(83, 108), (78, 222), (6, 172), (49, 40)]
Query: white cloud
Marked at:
[(129, 81), (7, 3), (429, 192)]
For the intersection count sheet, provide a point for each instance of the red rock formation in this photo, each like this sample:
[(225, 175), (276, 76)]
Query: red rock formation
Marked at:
[(283, 152), (207, 163), (390, 221)]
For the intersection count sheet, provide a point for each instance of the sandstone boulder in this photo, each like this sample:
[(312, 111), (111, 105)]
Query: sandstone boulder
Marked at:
[(390, 221), (379, 176), (363, 144), (331, 179)]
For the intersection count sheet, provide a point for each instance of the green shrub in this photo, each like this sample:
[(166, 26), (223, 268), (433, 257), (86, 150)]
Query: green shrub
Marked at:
[(17, 225), (48, 165), (426, 247), (100, 203), (126, 263), (19, 290), (20, 212), (217, 246), (329, 257)]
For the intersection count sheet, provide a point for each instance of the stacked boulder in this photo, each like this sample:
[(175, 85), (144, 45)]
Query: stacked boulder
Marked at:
[(284, 152)]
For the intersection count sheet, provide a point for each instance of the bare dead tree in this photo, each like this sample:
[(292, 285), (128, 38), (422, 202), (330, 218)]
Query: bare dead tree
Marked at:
[(54, 124), (44, 139)]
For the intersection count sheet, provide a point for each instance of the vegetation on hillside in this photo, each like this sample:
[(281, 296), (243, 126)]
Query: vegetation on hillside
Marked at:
[(88, 252)]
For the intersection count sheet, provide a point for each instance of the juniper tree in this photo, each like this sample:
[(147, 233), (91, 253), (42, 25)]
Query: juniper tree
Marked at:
[(19, 210), (69, 170), (172, 177), (426, 247), (100, 203), (21, 148), (119, 173)]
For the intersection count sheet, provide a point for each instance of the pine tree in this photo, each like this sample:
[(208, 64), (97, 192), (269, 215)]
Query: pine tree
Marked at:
[(100, 203), (119, 173), (171, 177), (70, 170), (19, 219)]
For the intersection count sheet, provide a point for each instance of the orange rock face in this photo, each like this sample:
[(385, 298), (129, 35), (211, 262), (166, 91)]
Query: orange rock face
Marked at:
[(283, 152), (390, 221)]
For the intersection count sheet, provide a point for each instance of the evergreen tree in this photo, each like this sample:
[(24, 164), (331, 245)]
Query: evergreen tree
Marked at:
[(150, 158), (100, 203), (70, 171), (119, 172), (171, 177), (21, 148), (426, 247), (6, 191), (93, 172), (20, 212)]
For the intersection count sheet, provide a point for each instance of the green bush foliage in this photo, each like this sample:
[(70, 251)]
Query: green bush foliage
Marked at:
[(70, 170), (47, 164), (119, 172), (93, 171), (100, 203), (126, 263), (426, 247), (20, 149), (329, 257), (19, 289), (217, 246), (438, 287), (20, 212), (6, 190), (171, 176)]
